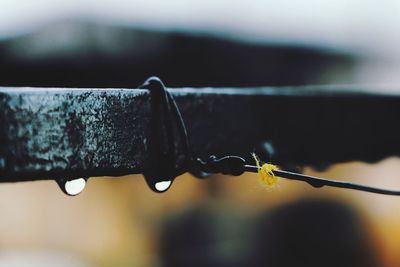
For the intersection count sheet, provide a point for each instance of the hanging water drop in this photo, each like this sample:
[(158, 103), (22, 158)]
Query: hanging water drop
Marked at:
[(162, 186), (72, 187)]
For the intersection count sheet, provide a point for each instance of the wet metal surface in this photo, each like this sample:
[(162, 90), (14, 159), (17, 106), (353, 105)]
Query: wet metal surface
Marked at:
[(48, 133)]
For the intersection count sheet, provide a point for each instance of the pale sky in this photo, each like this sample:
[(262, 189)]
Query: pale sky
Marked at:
[(356, 26)]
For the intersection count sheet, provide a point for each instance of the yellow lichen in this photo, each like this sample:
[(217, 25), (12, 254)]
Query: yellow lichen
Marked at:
[(266, 173)]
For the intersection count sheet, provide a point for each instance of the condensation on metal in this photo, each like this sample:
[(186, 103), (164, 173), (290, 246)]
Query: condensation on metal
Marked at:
[(50, 132)]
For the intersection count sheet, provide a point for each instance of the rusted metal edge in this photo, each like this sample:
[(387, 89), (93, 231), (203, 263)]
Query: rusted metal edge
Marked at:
[(46, 133)]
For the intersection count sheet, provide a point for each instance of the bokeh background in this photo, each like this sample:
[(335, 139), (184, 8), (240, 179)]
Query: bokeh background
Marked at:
[(221, 221)]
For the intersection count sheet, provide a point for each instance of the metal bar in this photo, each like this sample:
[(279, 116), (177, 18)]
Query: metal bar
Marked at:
[(47, 133)]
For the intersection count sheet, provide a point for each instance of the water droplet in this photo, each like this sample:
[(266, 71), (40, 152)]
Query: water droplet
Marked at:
[(162, 186), (316, 184), (72, 187)]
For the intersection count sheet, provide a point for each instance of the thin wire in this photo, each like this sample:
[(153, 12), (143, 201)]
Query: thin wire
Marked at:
[(232, 165), (320, 182), (181, 127), (165, 115)]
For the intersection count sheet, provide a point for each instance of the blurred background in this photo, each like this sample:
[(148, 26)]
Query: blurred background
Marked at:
[(221, 221)]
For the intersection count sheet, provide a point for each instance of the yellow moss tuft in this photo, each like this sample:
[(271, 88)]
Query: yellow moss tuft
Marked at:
[(266, 173)]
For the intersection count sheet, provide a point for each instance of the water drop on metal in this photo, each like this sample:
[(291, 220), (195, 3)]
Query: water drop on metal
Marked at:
[(72, 187), (162, 186)]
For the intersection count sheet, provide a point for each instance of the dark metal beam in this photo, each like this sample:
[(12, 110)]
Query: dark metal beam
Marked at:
[(47, 133)]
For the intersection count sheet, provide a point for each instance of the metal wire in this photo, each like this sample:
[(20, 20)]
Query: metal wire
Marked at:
[(320, 182), (231, 165)]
